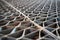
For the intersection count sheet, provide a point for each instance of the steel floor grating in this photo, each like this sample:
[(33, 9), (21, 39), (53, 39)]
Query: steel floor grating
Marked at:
[(29, 20)]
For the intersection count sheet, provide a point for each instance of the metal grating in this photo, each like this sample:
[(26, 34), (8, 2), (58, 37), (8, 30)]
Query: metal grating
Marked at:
[(29, 20)]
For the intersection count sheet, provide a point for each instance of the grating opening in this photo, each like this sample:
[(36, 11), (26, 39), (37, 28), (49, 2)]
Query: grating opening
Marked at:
[(17, 34)]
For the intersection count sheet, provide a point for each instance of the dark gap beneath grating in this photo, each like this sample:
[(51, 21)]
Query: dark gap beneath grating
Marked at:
[(3, 22), (25, 24), (58, 31), (42, 34), (50, 14), (52, 10), (41, 24), (58, 19), (29, 31), (5, 27), (2, 17), (6, 38), (17, 29), (10, 18), (32, 19), (53, 26), (1, 35), (43, 15), (25, 39), (49, 37), (20, 18), (51, 17), (16, 14), (5, 32), (33, 36), (35, 12), (16, 34), (43, 19), (50, 22), (37, 18), (55, 33), (9, 30), (38, 22), (13, 23), (32, 15), (27, 11), (50, 29)]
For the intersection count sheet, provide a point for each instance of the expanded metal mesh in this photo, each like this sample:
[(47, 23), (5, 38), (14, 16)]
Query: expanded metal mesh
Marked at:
[(29, 20)]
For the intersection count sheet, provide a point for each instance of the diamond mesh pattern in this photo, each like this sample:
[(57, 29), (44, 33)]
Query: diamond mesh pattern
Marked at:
[(30, 20)]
